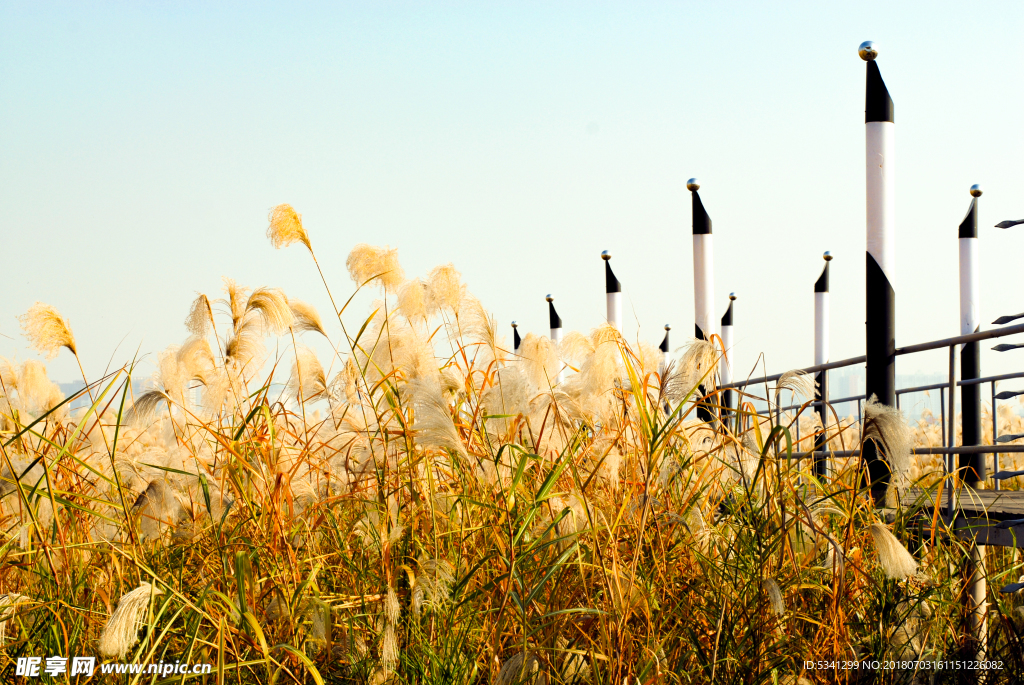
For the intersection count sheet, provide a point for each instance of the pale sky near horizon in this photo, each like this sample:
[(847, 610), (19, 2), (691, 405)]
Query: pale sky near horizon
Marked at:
[(142, 144)]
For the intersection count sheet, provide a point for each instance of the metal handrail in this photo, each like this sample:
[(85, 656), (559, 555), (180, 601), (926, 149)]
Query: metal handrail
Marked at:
[(964, 449), (948, 432), (918, 388), (961, 339), (909, 349)]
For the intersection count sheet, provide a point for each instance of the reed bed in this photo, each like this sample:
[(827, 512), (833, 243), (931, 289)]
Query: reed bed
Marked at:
[(426, 507)]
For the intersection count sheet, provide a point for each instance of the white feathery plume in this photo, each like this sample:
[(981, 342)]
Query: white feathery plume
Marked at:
[(600, 369), (122, 629), (37, 392), (433, 420), (196, 361), (893, 557), (444, 288), (170, 376), (518, 668), (369, 262), (888, 426), (698, 361), (285, 227), (306, 318), (245, 348), (392, 610), (774, 592), (158, 507), (433, 585), (237, 296), (9, 604), (393, 344), (412, 300), (481, 328), (271, 305), (47, 331), (308, 376), (389, 648), (145, 406), (200, 317), (8, 376), (508, 395), (540, 360), (799, 382), (575, 348)]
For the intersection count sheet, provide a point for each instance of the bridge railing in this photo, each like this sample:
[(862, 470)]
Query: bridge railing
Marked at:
[(947, 402)]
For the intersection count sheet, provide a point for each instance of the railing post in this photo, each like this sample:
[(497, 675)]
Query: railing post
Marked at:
[(953, 496), (880, 320), (556, 334), (995, 434), (976, 600), (703, 282), (942, 419), (821, 340), (725, 367), (613, 292), (972, 466)]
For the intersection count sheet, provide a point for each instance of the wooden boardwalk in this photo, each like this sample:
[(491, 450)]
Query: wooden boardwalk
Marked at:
[(994, 517)]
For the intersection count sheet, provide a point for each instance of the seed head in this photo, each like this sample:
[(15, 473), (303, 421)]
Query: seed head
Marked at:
[(47, 331), (286, 227)]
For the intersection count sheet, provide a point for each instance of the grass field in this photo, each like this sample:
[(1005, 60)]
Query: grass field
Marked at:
[(429, 509)]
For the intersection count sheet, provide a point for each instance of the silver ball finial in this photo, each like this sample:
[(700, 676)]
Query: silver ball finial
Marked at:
[(827, 256), (867, 51), (732, 296), (693, 185), (549, 298), (667, 327), (976, 190), (515, 325), (606, 255)]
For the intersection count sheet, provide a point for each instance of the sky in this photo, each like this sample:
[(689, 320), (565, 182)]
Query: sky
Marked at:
[(142, 145)]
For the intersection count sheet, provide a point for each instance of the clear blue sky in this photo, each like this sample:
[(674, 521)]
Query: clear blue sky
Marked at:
[(141, 145)]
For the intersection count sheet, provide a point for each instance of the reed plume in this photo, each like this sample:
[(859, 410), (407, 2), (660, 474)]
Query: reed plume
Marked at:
[(307, 380), (197, 362), (145, 407), (601, 368), (370, 263), (286, 227), (37, 392), (893, 557), (392, 610), (888, 427), (774, 592), (444, 288), (433, 423), (122, 629), (200, 317), (519, 668), (9, 604), (433, 585), (480, 326), (237, 296), (412, 300), (575, 348), (47, 331), (305, 318), (799, 382), (272, 308), (698, 361), (539, 359)]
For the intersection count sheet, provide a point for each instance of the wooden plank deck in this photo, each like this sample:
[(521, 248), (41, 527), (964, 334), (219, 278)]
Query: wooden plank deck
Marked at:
[(988, 514)]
